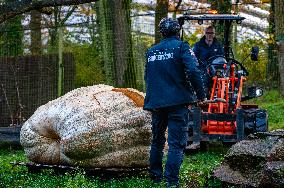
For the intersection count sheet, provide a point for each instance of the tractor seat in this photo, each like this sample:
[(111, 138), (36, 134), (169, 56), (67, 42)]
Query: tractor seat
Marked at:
[(216, 67)]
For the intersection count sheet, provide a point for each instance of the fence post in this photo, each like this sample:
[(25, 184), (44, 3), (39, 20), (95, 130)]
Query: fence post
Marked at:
[(60, 62)]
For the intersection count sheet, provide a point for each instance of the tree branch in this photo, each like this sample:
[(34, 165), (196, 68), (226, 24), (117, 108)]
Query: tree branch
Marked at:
[(178, 4), (10, 10), (70, 12)]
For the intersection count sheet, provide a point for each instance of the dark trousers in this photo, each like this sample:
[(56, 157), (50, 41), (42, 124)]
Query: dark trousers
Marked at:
[(175, 118)]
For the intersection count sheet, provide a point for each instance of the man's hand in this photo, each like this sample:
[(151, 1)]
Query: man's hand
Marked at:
[(202, 102), (205, 101)]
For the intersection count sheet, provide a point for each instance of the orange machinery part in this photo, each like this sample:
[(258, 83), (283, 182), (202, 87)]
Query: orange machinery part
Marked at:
[(221, 89)]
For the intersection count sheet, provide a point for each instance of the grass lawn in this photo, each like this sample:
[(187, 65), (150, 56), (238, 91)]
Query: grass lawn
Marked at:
[(195, 171)]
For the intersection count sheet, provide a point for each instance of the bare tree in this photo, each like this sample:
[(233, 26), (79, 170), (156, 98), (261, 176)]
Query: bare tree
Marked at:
[(223, 7), (11, 9), (176, 8), (272, 73), (56, 23), (161, 12), (35, 25)]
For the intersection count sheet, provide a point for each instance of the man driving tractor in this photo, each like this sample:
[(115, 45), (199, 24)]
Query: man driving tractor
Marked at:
[(208, 46)]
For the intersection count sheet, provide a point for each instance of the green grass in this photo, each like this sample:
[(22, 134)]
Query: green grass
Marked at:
[(196, 169), (195, 172)]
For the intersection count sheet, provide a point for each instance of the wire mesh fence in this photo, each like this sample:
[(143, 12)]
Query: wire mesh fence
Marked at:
[(39, 53), (30, 81)]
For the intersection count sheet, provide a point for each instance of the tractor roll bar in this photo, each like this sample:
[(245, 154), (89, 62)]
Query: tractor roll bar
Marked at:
[(228, 19)]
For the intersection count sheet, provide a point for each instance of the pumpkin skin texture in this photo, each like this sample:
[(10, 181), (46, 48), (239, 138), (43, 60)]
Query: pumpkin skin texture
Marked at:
[(95, 126)]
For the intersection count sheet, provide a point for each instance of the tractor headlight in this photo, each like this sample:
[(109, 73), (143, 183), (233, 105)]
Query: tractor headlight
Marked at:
[(258, 92), (254, 92)]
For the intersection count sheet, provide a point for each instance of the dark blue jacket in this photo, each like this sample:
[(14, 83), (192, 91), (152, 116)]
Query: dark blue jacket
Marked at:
[(203, 51), (169, 66)]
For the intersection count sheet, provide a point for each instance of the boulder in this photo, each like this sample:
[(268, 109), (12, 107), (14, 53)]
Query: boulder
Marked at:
[(97, 126), (255, 162)]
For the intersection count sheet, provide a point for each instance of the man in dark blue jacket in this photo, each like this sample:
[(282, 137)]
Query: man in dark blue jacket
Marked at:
[(207, 47), (172, 83)]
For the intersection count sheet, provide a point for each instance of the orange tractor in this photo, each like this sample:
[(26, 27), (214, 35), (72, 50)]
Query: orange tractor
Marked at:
[(225, 117)]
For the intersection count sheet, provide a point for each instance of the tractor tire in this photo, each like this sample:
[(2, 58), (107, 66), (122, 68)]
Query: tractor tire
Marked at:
[(261, 121), (256, 120)]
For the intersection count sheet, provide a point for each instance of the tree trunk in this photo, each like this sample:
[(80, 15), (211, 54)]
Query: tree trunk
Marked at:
[(53, 32), (272, 74), (279, 30), (223, 7), (122, 44), (281, 66), (115, 31), (35, 25), (104, 20), (161, 12)]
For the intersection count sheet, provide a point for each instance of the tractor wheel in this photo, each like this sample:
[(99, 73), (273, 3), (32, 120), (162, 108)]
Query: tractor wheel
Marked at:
[(261, 121), (256, 120)]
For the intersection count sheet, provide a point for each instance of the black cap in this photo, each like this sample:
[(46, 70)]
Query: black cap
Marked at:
[(169, 27)]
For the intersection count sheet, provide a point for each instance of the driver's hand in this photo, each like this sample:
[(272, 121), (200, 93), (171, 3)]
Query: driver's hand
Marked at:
[(202, 102)]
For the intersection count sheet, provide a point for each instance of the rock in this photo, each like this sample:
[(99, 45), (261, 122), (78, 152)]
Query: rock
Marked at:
[(96, 126), (273, 174), (256, 162)]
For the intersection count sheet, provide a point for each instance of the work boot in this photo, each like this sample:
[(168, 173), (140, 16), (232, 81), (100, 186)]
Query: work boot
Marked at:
[(171, 185), (156, 180)]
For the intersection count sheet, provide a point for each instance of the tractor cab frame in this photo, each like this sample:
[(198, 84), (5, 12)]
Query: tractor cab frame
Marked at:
[(226, 19)]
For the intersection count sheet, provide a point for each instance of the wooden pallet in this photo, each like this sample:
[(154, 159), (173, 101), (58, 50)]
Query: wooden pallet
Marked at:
[(111, 172)]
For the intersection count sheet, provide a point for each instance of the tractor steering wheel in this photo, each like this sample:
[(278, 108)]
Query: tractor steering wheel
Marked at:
[(217, 62)]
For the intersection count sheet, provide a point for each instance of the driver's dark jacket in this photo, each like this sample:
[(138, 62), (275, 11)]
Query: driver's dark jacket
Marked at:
[(171, 75), (203, 51)]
